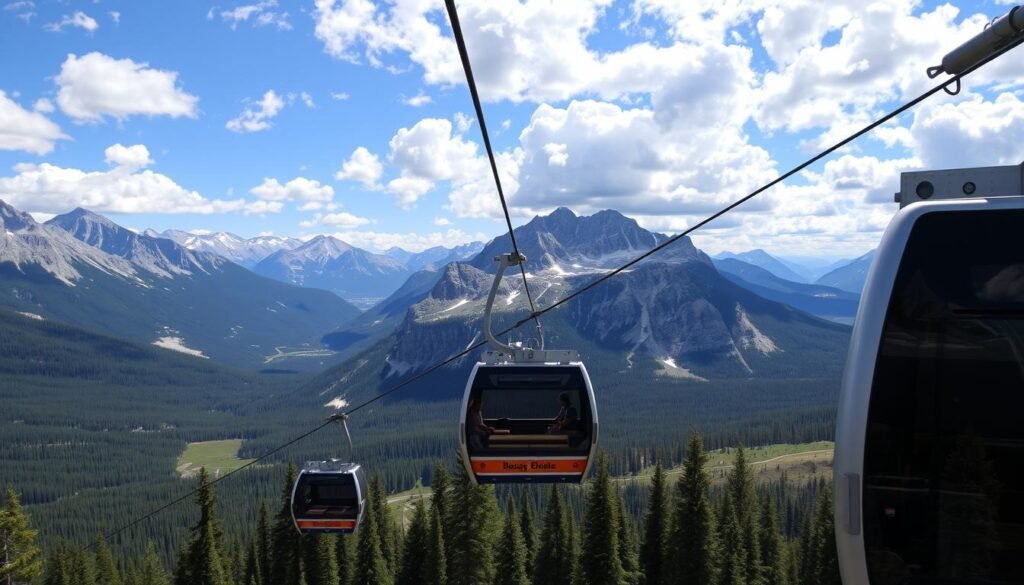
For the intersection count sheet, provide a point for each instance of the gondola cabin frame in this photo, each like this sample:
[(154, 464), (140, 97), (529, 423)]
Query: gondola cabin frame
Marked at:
[(544, 461), (891, 494), (325, 517)]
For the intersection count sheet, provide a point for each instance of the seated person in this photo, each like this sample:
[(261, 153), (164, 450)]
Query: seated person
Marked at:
[(479, 432), (567, 416)]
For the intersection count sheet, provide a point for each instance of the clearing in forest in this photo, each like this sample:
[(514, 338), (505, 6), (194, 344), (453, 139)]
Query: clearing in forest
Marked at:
[(218, 457)]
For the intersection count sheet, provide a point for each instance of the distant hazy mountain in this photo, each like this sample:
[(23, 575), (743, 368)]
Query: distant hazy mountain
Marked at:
[(434, 258), (242, 251), (83, 269), (784, 269), (328, 263), (823, 301), (672, 316), (850, 276)]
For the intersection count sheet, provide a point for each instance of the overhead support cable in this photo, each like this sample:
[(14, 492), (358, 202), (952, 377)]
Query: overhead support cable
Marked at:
[(453, 16)]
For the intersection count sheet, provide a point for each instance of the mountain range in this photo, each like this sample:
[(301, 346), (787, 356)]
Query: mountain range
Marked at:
[(844, 275), (823, 301), (241, 251), (357, 275), (784, 269), (851, 276), (673, 316), (83, 269)]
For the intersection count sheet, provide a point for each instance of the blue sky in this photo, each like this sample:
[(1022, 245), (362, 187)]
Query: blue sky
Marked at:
[(660, 109)]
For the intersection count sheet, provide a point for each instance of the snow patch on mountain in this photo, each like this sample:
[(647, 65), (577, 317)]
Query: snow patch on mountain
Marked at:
[(456, 305), (337, 403), (178, 344)]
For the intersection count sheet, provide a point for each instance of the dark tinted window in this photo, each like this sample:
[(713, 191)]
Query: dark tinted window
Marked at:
[(523, 403), (944, 455), (319, 495)]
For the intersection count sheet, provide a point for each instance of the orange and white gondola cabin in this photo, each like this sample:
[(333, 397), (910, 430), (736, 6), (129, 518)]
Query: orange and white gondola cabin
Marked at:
[(531, 420)]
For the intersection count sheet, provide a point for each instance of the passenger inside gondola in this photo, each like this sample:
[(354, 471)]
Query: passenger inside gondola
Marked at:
[(479, 431), (565, 420)]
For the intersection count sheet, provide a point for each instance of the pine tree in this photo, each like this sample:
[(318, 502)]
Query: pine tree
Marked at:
[(806, 552), (440, 485), (106, 568), (129, 576), (416, 541), (656, 530), (152, 571), (286, 543), (792, 562), (320, 566), (263, 545), (693, 543), (253, 572), (528, 527), (343, 551), (740, 489), (385, 523), (435, 568), (826, 564), (733, 568), (83, 569), (22, 560), (572, 569), (771, 545), (601, 562), (474, 528), (552, 550), (235, 564), (629, 548), (371, 568), (204, 560), (58, 566), (512, 568)]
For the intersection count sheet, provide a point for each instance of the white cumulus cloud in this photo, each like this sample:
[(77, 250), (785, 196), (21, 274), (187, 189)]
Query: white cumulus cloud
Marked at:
[(362, 166), (49, 188), (95, 85), (260, 14), (21, 129), (78, 20), (128, 158), (298, 189), (257, 118)]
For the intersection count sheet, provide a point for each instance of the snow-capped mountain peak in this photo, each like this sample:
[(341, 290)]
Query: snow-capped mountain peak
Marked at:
[(242, 251)]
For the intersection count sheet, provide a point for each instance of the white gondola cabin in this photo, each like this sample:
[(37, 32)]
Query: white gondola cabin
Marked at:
[(533, 420), (329, 497), (929, 462)]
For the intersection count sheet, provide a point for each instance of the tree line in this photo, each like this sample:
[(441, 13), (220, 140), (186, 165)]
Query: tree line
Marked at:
[(689, 533)]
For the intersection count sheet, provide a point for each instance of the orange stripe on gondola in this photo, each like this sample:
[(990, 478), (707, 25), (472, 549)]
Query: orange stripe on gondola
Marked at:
[(529, 465), (338, 524)]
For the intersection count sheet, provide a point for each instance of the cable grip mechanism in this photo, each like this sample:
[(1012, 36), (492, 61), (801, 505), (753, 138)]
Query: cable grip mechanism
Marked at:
[(504, 261), (342, 418)]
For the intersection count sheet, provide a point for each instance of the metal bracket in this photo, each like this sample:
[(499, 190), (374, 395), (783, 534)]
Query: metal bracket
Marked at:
[(342, 418), (504, 261)]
